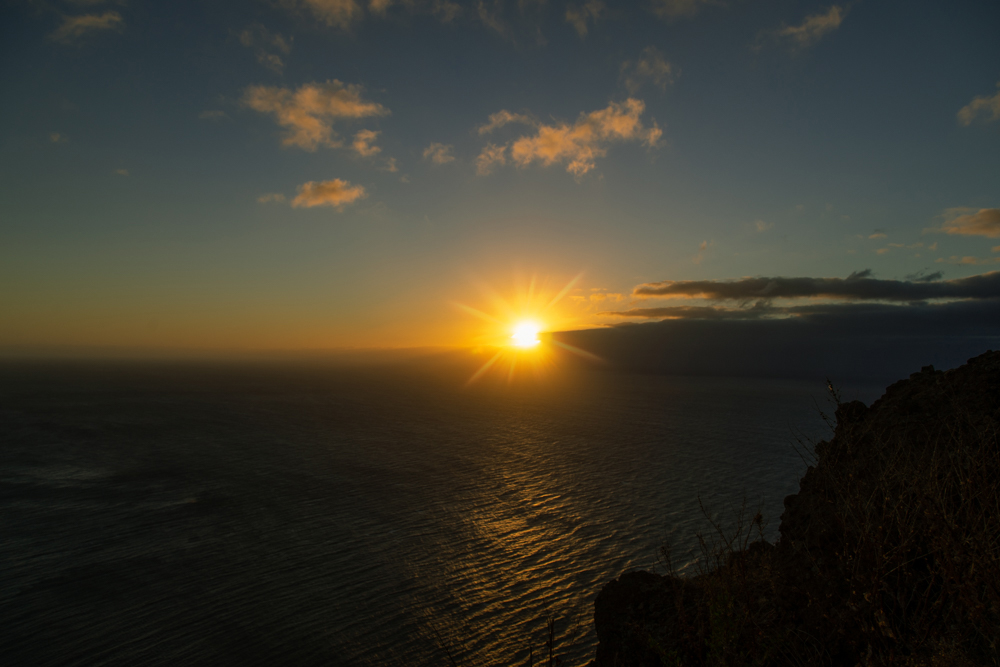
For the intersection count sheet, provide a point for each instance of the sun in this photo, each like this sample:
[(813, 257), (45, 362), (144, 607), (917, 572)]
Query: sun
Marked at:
[(525, 334), (514, 333)]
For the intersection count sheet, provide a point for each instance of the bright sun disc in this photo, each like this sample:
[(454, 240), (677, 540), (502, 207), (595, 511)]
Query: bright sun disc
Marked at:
[(526, 334)]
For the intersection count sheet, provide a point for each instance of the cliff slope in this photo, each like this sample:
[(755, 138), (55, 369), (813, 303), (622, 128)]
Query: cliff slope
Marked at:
[(889, 553)]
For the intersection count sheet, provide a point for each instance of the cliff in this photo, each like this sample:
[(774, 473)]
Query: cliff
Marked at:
[(889, 553)]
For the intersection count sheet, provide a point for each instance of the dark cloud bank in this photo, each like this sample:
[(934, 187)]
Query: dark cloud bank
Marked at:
[(850, 340), (858, 285)]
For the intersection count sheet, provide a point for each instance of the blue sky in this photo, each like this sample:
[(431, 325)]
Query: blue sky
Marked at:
[(152, 198)]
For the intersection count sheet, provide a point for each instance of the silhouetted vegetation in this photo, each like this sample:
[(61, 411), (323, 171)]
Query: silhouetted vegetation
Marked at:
[(888, 555)]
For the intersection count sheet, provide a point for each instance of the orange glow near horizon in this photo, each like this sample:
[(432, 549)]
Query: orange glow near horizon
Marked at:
[(512, 327)]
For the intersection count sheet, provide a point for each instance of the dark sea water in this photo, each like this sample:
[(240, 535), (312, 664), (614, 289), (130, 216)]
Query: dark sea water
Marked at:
[(311, 515)]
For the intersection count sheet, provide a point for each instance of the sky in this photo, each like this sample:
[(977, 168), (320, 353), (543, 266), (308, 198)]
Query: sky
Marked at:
[(319, 174)]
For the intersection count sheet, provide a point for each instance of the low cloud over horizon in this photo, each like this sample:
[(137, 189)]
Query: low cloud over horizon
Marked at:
[(857, 286), (754, 297)]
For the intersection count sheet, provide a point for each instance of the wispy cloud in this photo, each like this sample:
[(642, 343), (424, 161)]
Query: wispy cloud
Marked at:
[(968, 260), (490, 16), (651, 67), (702, 251), (308, 113), (520, 21), (578, 145), (981, 105), (337, 193), (504, 117), (439, 153), (857, 286), (270, 197), (334, 13), (695, 312), (445, 10), (969, 222), (364, 143), (598, 297), (57, 138), (379, 7), (579, 15), (74, 27), (344, 14), (213, 114), (923, 277), (810, 31), (674, 9), (490, 157), (268, 48), (120, 172), (762, 226)]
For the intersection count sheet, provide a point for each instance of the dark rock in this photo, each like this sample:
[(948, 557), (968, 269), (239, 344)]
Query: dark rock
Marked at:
[(847, 529), (639, 621)]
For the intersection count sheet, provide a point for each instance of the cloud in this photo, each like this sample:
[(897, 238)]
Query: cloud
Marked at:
[(267, 47), (309, 112), (57, 138), (446, 11), (651, 67), (522, 25), (811, 30), (674, 9), (439, 153), (702, 250), (270, 196), (364, 143), (335, 13), (857, 286), (968, 260), (213, 114), (985, 222), (758, 310), (336, 193), (922, 277), (490, 157), (577, 16), (762, 226), (74, 27), (878, 235), (987, 106), (490, 16), (693, 312), (343, 14), (577, 145), (995, 248), (504, 117), (390, 165), (120, 172)]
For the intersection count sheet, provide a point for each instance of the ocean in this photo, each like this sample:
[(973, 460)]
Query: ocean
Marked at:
[(313, 514)]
